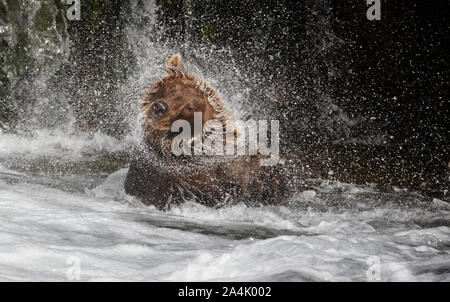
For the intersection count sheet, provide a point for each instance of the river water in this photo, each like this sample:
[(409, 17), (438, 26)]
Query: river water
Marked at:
[(60, 202)]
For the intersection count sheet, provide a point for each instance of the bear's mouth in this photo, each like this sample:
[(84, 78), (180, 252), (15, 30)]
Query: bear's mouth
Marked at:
[(158, 124)]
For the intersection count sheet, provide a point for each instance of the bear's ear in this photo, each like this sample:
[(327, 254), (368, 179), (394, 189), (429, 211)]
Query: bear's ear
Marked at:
[(175, 64)]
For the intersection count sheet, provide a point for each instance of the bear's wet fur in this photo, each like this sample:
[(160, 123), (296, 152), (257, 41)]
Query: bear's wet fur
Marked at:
[(158, 177)]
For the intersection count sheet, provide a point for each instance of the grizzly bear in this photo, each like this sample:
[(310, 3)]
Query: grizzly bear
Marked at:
[(161, 178)]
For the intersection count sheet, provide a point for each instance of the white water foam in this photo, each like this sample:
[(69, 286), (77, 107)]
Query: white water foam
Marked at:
[(116, 238), (60, 143)]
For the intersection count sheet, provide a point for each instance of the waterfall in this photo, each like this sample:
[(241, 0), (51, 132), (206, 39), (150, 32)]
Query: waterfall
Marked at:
[(34, 44)]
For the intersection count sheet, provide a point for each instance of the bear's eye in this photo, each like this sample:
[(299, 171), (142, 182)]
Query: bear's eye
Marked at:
[(171, 89), (190, 109)]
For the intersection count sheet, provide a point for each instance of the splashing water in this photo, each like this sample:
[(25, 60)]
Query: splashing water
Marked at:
[(62, 196), (327, 233)]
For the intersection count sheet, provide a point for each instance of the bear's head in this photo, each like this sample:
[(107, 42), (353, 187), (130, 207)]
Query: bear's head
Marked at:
[(177, 97)]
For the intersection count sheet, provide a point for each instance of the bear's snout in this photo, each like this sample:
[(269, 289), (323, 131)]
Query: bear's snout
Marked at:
[(159, 109)]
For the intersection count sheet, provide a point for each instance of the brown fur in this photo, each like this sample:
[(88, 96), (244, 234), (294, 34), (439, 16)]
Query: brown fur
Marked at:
[(160, 178)]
